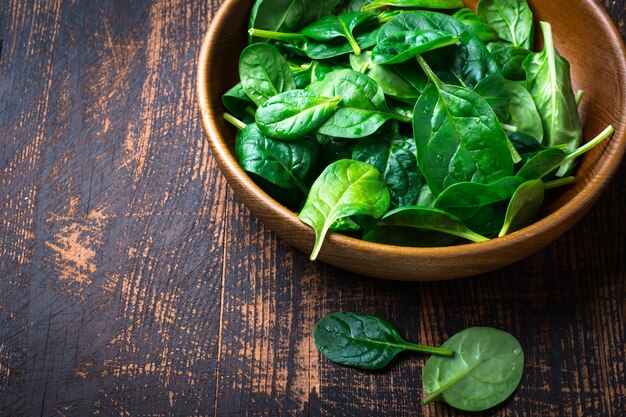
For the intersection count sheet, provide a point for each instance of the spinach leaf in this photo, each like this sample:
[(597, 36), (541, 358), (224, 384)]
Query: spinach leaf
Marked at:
[(524, 206), (525, 145), (286, 164), (343, 25), (239, 104), (294, 113), (512, 104), (363, 341), (389, 80), (541, 164), (394, 48), (344, 188), (512, 19), (486, 368), (458, 136), (332, 150), (476, 25), (509, 59), (316, 9), (264, 72), (548, 80), (363, 108), (426, 4), (465, 63), (416, 219), (276, 15), (394, 156), (465, 199)]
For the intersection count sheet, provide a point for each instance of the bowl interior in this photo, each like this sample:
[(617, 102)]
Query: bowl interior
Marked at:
[(583, 34)]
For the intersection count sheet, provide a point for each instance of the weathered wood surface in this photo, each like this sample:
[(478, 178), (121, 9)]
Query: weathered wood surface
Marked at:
[(134, 283)]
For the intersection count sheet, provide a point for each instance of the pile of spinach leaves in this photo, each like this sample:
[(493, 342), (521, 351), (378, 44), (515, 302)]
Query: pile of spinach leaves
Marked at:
[(405, 125)]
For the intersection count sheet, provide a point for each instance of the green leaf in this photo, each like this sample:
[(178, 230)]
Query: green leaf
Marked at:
[(486, 368), (343, 25), (509, 59), (264, 72), (415, 220), (458, 137), (277, 15), (483, 31), (425, 4), (524, 206), (239, 104), (548, 80), (363, 108), (397, 47), (286, 164), (362, 341), (512, 19), (387, 77), (512, 104), (344, 188), (394, 156), (293, 114)]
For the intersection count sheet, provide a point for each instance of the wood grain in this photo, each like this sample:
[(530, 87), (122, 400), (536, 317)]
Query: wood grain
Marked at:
[(134, 283)]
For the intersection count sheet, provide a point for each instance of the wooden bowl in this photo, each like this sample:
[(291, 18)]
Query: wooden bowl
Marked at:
[(583, 33)]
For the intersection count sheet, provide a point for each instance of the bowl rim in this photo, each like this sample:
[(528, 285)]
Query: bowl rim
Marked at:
[(557, 221)]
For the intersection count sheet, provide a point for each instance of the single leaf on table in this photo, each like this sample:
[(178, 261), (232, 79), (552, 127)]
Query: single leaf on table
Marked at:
[(512, 19), (344, 188), (394, 156), (486, 368), (416, 220), (423, 4), (392, 83), (524, 206), (285, 164), (458, 136), (512, 104), (264, 72), (548, 80), (363, 108), (294, 113), (332, 26), (483, 31), (363, 341)]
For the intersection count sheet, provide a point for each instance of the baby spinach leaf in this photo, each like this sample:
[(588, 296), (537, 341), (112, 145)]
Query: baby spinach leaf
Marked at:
[(294, 113), (264, 72), (548, 80), (542, 164), (298, 44), (476, 25), (385, 75), (276, 15), (363, 108), (286, 164), (343, 25), (394, 156), (512, 19), (421, 219), (512, 104), (394, 48), (239, 104), (363, 341), (524, 206), (344, 188), (426, 4), (316, 9), (465, 199), (458, 136), (486, 368), (509, 59)]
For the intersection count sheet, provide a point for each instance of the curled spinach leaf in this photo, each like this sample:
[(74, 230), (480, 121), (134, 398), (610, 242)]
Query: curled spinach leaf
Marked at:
[(286, 164), (509, 59), (483, 31), (239, 104), (512, 19), (486, 368), (264, 72), (294, 113), (396, 44), (363, 341), (524, 206), (392, 83), (345, 188)]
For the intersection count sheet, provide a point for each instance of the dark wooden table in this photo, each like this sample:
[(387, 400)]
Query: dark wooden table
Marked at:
[(134, 283)]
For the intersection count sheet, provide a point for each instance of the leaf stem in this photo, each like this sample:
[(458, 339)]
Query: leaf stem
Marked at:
[(559, 183), (234, 121), (429, 72), (444, 387), (440, 351), (590, 145), (579, 97), (278, 36), (509, 128)]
